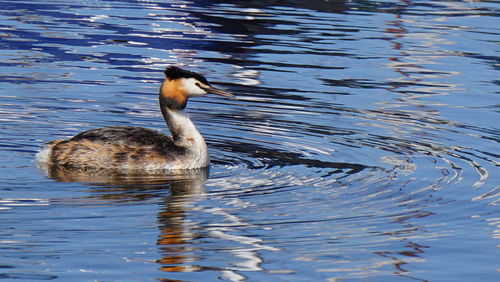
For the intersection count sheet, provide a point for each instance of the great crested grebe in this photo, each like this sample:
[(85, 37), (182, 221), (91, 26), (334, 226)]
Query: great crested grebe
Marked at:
[(138, 148)]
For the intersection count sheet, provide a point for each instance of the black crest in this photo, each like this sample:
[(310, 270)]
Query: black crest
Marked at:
[(174, 72)]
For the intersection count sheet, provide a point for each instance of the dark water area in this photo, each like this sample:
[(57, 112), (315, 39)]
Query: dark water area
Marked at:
[(362, 143)]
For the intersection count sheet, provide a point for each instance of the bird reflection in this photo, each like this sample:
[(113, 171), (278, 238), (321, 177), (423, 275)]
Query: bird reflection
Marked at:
[(182, 188), (175, 237)]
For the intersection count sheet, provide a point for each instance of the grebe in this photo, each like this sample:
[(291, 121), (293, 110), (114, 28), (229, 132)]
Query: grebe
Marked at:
[(138, 148)]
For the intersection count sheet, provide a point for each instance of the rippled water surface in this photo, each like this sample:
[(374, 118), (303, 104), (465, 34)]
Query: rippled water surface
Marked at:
[(362, 144)]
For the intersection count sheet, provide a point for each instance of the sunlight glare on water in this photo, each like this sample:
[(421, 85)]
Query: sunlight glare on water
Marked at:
[(362, 142)]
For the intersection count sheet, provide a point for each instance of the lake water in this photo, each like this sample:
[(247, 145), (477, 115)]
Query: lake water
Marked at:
[(362, 144)]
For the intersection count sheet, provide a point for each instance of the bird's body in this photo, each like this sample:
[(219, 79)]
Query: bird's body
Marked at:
[(138, 148)]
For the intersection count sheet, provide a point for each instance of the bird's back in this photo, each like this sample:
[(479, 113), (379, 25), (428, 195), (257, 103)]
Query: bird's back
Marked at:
[(117, 147)]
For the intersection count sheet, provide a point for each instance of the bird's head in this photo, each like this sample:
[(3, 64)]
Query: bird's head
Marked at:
[(181, 84)]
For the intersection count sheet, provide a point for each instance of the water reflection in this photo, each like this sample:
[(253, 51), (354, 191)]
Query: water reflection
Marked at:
[(176, 239), (183, 189), (180, 241)]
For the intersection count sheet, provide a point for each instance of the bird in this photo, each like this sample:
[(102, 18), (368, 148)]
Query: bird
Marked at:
[(139, 148)]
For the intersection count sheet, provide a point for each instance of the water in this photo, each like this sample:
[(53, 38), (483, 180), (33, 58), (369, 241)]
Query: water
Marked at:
[(363, 142)]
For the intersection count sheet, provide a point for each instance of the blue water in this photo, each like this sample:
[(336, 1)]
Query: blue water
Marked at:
[(362, 144)]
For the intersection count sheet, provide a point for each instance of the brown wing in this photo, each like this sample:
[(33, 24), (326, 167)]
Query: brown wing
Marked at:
[(131, 136), (113, 147)]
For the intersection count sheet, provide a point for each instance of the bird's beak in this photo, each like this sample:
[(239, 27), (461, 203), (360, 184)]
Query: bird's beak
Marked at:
[(212, 90)]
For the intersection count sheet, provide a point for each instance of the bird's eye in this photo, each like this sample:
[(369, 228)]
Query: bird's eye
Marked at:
[(197, 84)]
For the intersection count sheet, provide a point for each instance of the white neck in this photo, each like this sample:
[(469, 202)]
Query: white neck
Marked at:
[(185, 135)]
